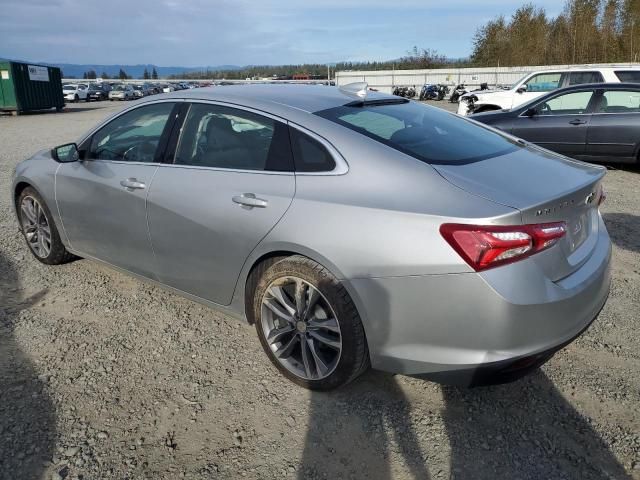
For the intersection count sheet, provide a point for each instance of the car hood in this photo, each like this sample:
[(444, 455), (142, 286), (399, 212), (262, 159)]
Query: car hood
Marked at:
[(499, 92), (492, 117), (523, 179)]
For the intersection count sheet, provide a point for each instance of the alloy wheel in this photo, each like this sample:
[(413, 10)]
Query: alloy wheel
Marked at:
[(301, 328), (35, 226)]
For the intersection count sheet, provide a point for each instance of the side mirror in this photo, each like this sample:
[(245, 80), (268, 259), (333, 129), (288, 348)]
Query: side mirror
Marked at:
[(522, 89), (66, 153), (530, 112)]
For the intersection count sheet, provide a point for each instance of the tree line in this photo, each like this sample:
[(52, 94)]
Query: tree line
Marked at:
[(586, 31), (416, 58), (122, 75)]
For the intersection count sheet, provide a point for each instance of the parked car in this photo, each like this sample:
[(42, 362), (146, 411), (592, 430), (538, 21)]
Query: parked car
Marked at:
[(122, 92), (168, 88), (352, 228), (536, 84), (596, 123), (141, 90), (74, 92), (97, 91)]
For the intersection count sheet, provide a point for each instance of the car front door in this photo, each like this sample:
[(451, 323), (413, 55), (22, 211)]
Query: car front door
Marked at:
[(614, 130), (229, 184), (558, 123), (102, 197)]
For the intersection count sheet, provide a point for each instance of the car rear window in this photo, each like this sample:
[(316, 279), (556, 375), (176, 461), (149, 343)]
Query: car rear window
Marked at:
[(628, 76), (426, 133)]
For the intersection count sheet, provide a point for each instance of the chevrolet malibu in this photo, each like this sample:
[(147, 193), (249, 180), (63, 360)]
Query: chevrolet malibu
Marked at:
[(352, 228)]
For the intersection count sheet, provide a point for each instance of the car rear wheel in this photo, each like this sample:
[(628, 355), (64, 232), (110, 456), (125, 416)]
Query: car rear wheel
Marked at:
[(308, 325), (39, 230)]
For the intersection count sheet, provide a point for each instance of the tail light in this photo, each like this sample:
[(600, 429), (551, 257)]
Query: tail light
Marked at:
[(488, 246)]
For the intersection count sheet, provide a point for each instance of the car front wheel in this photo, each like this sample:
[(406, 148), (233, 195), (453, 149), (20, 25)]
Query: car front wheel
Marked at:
[(39, 230), (308, 325)]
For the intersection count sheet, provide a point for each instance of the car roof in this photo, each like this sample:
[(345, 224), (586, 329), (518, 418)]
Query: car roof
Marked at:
[(607, 86), (307, 98)]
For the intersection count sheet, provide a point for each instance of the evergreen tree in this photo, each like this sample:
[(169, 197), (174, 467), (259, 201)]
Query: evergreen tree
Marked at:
[(146, 75), (104, 75), (122, 75), (154, 74)]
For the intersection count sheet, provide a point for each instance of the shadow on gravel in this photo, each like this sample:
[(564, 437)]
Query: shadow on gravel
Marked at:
[(27, 414), (623, 229), (524, 429), (353, 431)]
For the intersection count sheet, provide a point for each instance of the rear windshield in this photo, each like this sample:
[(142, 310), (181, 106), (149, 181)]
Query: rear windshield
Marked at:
[(628, 76), (426, 133)]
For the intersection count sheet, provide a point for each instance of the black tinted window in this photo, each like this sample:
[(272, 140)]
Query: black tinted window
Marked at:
[(628, 76), (132, 137), (578, 78), (222, 137), (310, 155), (426, 133)]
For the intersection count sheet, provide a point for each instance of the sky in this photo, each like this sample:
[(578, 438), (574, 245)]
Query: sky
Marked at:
[(241, 32)]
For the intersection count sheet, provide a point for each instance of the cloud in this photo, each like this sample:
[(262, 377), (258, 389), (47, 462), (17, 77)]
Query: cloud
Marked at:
[(213, 32)]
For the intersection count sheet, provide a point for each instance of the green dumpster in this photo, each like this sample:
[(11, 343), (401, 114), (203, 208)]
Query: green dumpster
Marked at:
[(25, 87)]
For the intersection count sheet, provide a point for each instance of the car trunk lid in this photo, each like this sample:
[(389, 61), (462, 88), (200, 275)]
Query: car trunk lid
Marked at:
[(544, 187)]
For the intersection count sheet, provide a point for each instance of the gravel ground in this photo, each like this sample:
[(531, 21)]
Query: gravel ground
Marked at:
[(102, 376)]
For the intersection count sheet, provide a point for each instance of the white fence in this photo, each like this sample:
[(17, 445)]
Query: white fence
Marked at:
[(385, 80)]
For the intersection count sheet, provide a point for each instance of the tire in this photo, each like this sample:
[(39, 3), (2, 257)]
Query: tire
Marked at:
[(76, 99), (336, 351), (56, 253)]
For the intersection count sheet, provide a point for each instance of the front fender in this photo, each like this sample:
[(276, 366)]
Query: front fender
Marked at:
[(39, 172)]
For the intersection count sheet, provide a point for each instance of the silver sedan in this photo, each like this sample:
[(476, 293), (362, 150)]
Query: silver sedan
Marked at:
[(354, 229)]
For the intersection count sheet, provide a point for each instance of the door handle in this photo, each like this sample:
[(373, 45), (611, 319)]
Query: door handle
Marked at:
[(133, 184), (249, 200), (577, 122)]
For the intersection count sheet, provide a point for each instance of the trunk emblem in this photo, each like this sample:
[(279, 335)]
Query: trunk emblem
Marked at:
[(554, 209)]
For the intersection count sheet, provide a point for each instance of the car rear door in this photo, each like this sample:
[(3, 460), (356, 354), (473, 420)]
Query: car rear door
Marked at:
[(558, 123), (230, 182), (102, 198), (614, 130)]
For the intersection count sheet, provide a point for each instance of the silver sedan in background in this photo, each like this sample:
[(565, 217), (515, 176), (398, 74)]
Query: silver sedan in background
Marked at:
[(354, 229)]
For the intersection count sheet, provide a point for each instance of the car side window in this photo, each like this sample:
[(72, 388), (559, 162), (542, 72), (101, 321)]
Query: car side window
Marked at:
[(309, 155), (133, 136), (574, 103), (544, 82), (577, 78), (619, 101), (223, 137), (628, 76)]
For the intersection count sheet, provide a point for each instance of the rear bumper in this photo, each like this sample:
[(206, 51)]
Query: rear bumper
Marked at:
[(465, 328)]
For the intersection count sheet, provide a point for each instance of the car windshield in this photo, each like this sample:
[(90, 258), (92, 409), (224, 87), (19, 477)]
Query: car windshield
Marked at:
[(426, 133), (69, 87), (94, 87), (119, 88)]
